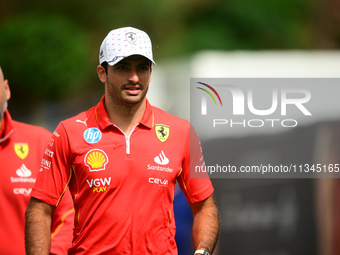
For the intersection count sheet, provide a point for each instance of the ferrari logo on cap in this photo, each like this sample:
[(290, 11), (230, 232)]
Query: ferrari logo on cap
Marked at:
[(162, 132), (131, 37), (21, 149), (101, 55)]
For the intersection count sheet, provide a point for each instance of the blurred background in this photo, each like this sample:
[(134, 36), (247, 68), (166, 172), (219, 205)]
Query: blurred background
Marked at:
[(49, 53)]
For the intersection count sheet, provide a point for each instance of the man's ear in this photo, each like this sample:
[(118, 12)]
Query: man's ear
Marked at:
[(8, 91), (101, 73)]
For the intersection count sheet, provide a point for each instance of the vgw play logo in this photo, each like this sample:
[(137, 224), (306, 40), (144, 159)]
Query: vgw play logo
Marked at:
[(241, 105)]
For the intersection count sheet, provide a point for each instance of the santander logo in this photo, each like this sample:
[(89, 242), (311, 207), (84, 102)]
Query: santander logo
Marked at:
[(161, 159), (23, 171)]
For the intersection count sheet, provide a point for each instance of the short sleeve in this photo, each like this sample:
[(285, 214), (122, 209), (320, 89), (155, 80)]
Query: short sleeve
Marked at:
[(196, 188), (55, 169)]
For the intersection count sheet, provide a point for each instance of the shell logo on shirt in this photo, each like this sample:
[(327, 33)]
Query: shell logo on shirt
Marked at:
[(162, 132), (96, 160), (21, 149)]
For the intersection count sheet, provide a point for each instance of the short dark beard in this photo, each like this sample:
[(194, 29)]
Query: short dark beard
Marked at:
[(3, 110)]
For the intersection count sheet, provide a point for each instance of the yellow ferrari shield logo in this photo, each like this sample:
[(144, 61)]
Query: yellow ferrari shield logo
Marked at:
[(162, 132), (21, 149)]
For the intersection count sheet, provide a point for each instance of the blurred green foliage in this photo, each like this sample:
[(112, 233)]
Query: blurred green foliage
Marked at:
[(251, 25), (44, 55)]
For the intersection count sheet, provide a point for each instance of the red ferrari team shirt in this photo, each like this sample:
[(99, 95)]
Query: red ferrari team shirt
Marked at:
[(21, 149), (123, 186)]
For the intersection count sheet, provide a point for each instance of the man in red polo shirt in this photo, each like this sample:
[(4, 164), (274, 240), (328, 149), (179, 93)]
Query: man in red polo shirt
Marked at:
[(121, 160), (21, 146)]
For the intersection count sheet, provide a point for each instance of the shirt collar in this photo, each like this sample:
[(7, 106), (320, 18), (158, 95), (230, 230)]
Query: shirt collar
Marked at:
[(7, 127), (103, 120)]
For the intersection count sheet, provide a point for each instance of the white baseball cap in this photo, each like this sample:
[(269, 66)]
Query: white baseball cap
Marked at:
[(124, 42)]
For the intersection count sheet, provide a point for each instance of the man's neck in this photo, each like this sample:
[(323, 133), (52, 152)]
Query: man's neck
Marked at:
[(1, 127), (125, 117)]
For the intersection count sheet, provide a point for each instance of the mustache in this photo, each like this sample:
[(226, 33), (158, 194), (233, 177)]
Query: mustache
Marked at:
[(140, 85)]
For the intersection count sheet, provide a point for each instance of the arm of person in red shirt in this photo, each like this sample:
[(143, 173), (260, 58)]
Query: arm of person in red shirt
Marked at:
[(38, 227), (199, 193), (206, 223), (62, 225)]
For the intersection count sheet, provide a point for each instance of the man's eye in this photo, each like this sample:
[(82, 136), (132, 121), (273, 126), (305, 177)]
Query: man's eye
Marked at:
[(144, 67)]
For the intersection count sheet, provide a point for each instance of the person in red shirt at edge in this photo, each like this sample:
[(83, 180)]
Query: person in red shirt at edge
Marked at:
[(121, 159), (21, 149)]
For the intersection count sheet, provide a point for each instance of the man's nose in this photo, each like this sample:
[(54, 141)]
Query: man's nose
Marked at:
[(133, 76)]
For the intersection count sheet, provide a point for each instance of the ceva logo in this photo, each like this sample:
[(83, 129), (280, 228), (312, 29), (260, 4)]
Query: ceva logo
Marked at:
[(159, 182), (204, 98)]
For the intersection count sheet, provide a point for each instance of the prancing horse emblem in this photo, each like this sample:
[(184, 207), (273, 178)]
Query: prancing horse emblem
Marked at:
[(162, 132), (131, 37), (21, 149)]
